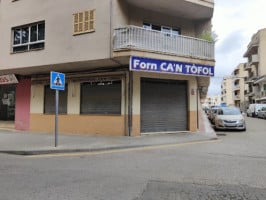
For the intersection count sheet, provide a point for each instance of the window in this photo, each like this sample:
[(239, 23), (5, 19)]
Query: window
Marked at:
[(28, 37), (84, 22), (49, 100), (101, 97), (264, 87), (169, 31)]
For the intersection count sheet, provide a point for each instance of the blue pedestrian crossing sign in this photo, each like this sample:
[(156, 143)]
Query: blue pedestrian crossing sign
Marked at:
[(57, 81)]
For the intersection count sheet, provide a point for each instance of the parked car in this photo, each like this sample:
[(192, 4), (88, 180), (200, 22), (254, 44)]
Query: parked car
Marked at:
[(212, 113), (229, 118), (253, 109), (262, 113)]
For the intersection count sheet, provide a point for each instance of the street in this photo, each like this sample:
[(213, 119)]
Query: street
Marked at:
[(232, 167)]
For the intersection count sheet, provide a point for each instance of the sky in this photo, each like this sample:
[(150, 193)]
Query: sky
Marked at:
[(234, 22)]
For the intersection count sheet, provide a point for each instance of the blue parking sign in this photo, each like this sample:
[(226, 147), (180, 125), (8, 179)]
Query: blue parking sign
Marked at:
[(57, 81)]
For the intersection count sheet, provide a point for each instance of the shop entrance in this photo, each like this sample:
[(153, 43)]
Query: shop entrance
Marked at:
[(7, 102), (163, 105)]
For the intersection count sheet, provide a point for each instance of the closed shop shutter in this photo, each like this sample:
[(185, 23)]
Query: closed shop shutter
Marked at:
[(163, 105), (101, 98)]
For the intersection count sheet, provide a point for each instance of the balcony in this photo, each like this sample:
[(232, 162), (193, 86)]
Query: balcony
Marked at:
[(138, 38), (236, 72), (188, 9), (249, 94), (236, 87), (262, 94), (248, 66), (237, 97), (253, 45), (254, 59)]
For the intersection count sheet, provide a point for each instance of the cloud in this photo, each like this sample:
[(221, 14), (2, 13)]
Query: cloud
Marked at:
[(234, 22), (230, 42)]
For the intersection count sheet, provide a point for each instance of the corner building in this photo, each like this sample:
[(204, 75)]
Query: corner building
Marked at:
[(132, 67)]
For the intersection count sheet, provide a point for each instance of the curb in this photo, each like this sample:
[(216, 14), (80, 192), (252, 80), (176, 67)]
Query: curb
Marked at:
[(58, 151)]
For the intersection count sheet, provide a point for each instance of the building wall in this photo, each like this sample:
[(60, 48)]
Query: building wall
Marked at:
[(228, 91), (139, 15), (73, 122), (211, 100), (60, 44), (120, 16), (243, 86), (62, 48), (22, 111), (262, 52)]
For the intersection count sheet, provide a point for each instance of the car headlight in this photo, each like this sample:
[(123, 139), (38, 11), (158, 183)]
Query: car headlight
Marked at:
[(242, 121)]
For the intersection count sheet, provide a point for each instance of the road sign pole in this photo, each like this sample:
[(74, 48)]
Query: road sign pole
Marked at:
[(56, 116), (57, 82)]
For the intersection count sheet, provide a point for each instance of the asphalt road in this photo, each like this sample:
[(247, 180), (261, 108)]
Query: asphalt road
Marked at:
[(232, 167)]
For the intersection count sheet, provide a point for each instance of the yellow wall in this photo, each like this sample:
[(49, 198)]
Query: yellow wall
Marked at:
[(73, 122), (79, 124)]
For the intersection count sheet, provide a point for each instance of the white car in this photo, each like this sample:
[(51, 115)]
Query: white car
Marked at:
[(262, 113), (253, 109), (229, 118), (212, 114)]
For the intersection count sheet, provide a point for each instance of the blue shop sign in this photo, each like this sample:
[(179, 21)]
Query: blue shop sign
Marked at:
[(171, 67)]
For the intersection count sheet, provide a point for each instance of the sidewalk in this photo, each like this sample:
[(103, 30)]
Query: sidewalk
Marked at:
[(28, 143)]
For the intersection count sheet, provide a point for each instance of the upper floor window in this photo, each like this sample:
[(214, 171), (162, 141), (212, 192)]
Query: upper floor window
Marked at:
[(28, 37), (84, 22), (169, 31)]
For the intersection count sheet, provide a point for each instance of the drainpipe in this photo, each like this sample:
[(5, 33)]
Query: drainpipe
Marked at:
[(130, 101), (197, 91), (111, 28)]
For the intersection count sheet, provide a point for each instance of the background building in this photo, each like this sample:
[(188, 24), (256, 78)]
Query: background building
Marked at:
[(132, 67), (212, 100), (239, 86), (256, 68), (234, 88), (227, 91)]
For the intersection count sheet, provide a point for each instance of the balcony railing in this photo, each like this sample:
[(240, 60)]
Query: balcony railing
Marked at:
[(250, 94), (138, 38), (236, 97), (248, 66), (237, 87), (254, 58), (263, 94)]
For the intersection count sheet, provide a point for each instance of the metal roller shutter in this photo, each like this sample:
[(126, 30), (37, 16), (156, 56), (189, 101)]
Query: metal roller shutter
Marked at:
[(101, 98), (163, 105)]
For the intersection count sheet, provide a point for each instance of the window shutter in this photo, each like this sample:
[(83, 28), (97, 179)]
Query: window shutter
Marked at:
[(83, 22), (86, 21), (92, 19), (75, 21)]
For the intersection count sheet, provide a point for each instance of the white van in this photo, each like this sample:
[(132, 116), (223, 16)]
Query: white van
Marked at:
[(253, 109)]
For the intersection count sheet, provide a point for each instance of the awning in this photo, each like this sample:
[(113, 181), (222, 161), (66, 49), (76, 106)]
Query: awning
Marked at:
[(8, 79)]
